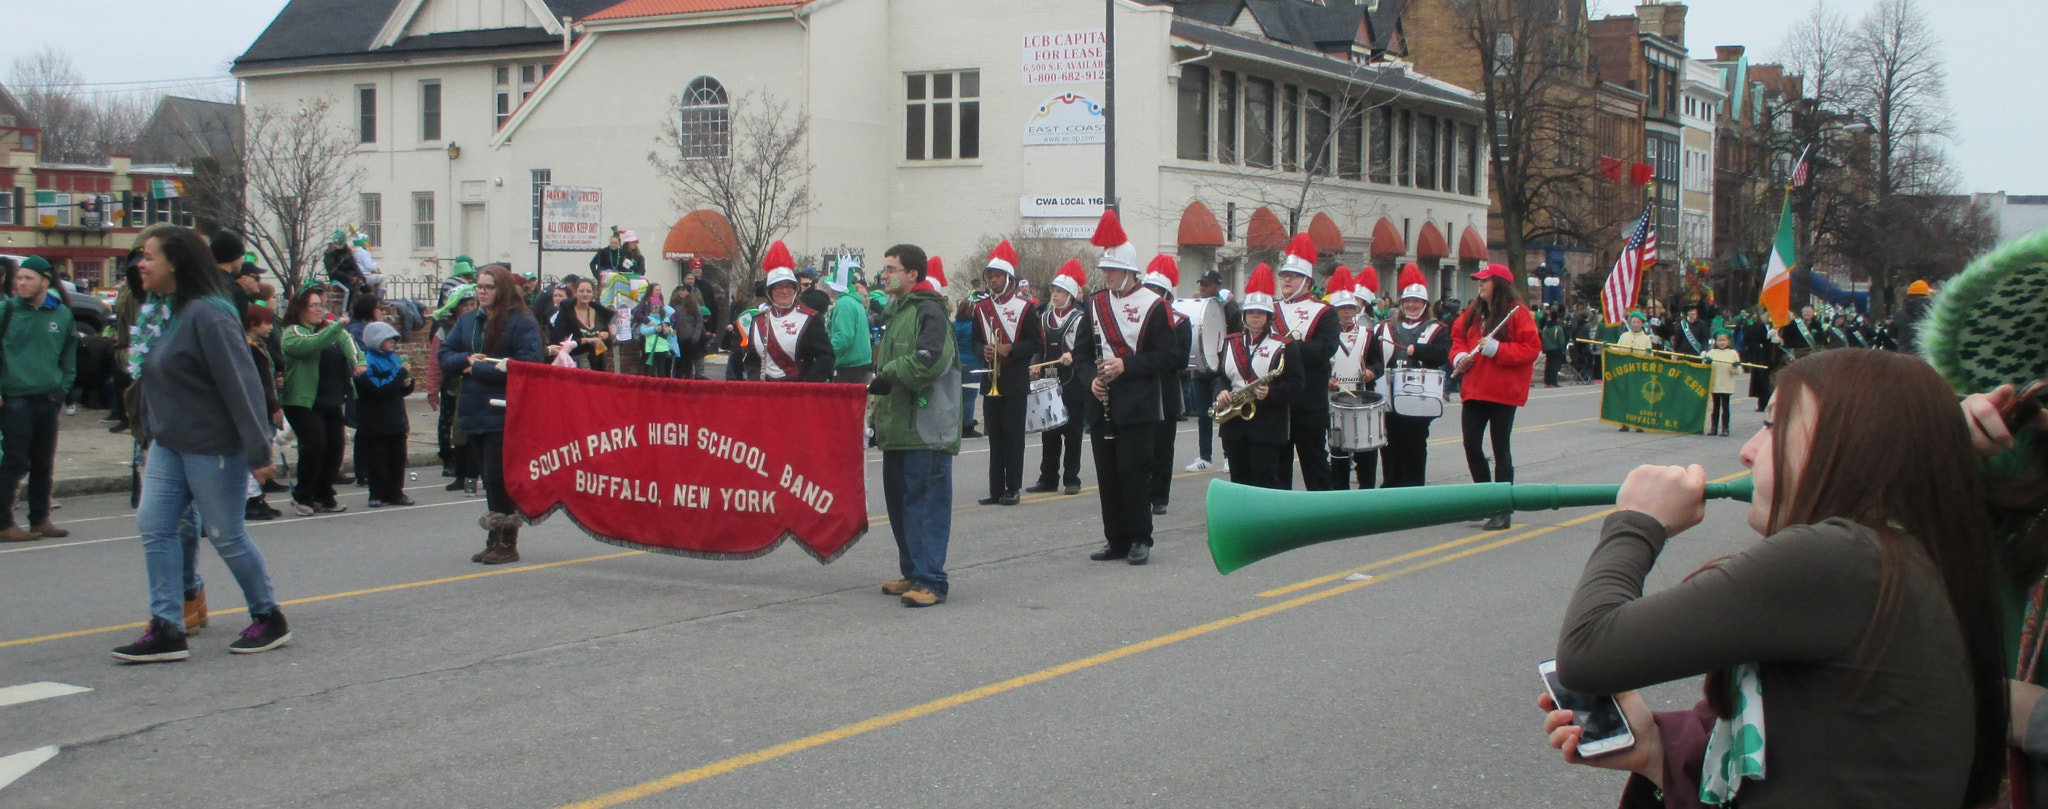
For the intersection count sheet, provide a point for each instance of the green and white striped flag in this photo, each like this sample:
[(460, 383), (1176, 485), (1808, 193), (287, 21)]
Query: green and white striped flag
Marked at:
[(165, 189)]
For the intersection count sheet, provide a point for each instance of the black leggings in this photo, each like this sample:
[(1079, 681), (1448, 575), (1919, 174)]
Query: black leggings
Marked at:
[(320, 448), (1477, 418), (490, 448), (1718, 419)]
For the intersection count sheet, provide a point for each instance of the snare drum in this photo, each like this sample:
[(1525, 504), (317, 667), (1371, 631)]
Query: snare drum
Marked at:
[(1358, 423), (1045, 409), (1417, 392), (1206, 314)]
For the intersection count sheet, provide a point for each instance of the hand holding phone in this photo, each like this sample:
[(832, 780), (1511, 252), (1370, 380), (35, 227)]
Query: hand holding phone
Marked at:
[(1603, 729)]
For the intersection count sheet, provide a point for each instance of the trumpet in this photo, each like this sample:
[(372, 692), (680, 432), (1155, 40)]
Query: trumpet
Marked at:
[(1244, 402), (1241, 525), (995, 364)]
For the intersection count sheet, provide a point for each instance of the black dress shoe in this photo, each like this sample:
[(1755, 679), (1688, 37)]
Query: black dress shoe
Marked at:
[(1042, 488), (1158, 509), (453, 485), (989, 500), (1008, 499), (1109, 553), (971, 433), (274, 487), (447, 471), (1139, 554), (1071, 488), (1496, 522)]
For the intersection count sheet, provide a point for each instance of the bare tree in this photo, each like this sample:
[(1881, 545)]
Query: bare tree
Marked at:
[(77, 126), (1898, 82), (1819, 49), (295, 179), (753, 170), (1040, 254)]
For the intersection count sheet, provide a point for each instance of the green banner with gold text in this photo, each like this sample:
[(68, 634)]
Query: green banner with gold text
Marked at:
[(1655, 393)]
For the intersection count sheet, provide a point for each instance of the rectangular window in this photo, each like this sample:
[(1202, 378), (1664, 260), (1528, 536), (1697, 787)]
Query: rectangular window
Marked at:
[(373, 218), (1450, 153), (366, 115), (6, 208), (430, 111), (1382, 119), (1192, 116), (1290, 122), (1315, 130), (423, 220), (1351, 143), (510, 85), (1468, 166), (1404, 150), (1258, 122), (942, 115), (1425, 151), (541, 177), (1226, 118)]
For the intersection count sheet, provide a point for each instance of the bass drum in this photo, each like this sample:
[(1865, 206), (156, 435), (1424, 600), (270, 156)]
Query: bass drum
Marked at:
[(1208, 320)]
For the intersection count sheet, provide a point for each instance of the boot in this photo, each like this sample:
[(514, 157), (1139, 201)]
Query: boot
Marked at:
[(195, 612), (503, 545)]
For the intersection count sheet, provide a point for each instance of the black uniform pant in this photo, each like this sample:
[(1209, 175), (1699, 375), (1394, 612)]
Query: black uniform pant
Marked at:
[(380, 462), (1553, 362), (1405, 459), (1366, 463), (1060, 461), (319, 432), (1162, 462), (1253, 463), (1309, 435), (1478, 418), (1123, 469), (1005, 428)]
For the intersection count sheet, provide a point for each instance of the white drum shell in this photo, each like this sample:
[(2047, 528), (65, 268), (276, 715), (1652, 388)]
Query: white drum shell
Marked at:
[(1417, 392), (1045, 409), (1357, 425)]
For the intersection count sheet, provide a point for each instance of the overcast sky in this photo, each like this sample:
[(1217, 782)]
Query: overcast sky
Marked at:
[(1995, 84)]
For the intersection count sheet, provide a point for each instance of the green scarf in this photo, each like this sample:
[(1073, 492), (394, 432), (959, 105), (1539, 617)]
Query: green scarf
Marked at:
[(1735, 749), (151, 321)]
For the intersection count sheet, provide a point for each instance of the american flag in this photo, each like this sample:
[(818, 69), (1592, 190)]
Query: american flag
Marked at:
[(1639, 251)]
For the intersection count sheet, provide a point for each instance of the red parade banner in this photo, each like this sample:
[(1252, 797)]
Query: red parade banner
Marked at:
[(722, 470)]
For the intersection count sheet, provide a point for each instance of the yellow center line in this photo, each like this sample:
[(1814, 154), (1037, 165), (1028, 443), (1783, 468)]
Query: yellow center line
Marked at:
[(686, 777)]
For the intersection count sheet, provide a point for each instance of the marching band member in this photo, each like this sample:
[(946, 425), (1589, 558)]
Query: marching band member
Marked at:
[(1060, 322), (1257, 447), (1308, 321), (1494, 345), (1356, 365), (1414, 338), (1161, 276), (1126, 340), (791, 340), (1006, 337)]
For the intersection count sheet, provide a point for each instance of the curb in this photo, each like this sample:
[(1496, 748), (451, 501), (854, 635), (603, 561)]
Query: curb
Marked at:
[(118, 484)]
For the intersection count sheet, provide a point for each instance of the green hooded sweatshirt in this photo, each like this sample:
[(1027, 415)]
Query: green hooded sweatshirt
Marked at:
[(921, 411), (40, 353), (847, 323)]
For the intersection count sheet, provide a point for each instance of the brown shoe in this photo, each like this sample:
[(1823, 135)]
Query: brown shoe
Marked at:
[(504, 548), (16, 533), (922, 596), (195, 612), (898, 587), (50, 530)]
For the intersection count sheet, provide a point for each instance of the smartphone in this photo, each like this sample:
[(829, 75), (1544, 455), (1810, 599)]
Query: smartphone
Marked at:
[(1605, 730)]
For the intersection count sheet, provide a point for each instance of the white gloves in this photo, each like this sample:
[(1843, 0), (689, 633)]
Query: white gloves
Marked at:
[(1489, 347)]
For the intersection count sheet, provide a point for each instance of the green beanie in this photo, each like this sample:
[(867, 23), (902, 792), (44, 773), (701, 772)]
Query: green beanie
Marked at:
[(455, 298), (38, 264)]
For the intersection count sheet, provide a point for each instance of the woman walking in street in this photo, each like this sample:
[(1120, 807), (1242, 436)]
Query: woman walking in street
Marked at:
[(501, 330), (320, 359), (203, 406), (1494, 347)]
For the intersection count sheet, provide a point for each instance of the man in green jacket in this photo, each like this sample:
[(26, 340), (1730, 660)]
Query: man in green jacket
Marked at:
[(847, 324), (916, 413), (38, 361)]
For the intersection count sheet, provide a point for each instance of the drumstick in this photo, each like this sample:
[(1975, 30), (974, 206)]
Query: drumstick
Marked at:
[(1043, 364)]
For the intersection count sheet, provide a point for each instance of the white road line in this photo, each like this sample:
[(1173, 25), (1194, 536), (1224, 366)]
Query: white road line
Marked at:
[(18, 694), (13, 767)]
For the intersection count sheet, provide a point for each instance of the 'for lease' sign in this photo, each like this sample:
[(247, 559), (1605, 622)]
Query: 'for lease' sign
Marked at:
[(1065, 57), (572, 218)]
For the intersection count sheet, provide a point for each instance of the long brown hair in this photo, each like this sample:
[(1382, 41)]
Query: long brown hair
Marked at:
[(1489, 310), (506, 303), (1896, 458)]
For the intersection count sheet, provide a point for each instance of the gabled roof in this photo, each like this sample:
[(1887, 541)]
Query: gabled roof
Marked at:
[(186, 128), (1385, 77), (316, 32), (1332, 27), (10, 106), (665, 8)]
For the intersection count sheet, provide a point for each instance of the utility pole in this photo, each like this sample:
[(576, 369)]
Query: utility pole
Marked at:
[(1109, 104)]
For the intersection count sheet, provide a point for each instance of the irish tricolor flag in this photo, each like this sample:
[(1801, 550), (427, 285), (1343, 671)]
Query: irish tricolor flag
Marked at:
[(1777, 292)]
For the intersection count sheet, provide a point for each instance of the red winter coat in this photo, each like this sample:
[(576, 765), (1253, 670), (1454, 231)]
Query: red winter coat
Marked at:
[(1503, 377)]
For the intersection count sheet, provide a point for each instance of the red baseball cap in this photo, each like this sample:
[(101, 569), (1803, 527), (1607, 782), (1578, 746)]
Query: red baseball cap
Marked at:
[(1497, 271)]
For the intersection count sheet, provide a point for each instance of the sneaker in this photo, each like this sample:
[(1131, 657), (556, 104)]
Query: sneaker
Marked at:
[(376, 503), (119, 427), (1198, 466), (971, 433), (267, 633), (400, 500), (302, 509), (922, 596), (71, 410), (255, 510), (331, 507), (898, 587), (160, 643)]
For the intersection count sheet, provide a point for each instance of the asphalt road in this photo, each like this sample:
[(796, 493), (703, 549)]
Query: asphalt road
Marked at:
[(588, 676)]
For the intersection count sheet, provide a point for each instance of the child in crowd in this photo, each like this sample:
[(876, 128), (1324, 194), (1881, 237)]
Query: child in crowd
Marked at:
[(381, 424), (1725, 360)]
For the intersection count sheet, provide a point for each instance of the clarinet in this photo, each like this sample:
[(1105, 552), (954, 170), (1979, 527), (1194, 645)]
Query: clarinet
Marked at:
[(1102, 344)]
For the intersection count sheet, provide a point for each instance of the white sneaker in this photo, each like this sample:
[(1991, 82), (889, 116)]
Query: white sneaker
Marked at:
[(1226, 464), (71, 410), (1198, 466)]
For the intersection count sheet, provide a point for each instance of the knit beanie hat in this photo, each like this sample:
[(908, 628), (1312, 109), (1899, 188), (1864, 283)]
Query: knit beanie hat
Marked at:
[(227, 247)]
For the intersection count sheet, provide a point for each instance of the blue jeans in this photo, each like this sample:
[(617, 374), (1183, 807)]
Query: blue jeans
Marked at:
[(174, 486), (917, 485), (1197, 396)]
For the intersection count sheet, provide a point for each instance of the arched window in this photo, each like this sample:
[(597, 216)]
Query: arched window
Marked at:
[(703, 133)]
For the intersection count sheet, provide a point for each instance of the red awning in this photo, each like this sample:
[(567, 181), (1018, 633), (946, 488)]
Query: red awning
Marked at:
[(1198, 227), (700, 234), (1472, 245), (1429, 243), (1324, 231), (1387, 241), (1265, 232)]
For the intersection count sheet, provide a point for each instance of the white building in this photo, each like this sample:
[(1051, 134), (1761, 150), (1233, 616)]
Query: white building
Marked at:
[(2015, 215), (1702, 97), (937, 122)]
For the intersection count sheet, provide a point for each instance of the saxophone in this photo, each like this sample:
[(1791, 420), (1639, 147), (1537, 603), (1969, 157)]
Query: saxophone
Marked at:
[(1244, 402)]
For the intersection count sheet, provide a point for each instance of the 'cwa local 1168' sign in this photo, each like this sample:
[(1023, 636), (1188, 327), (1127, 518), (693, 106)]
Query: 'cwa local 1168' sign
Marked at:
[(572, 218)]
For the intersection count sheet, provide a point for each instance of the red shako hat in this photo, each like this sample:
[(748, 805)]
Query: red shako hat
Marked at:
[(1072, 277), (779, 266), (1259, 290), (1340, 286), (1117, 251), (1301, 256), (1413, 285), (1163, 273)]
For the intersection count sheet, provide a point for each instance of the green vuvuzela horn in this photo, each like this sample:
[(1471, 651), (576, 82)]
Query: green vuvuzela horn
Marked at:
[(1248, 523)]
